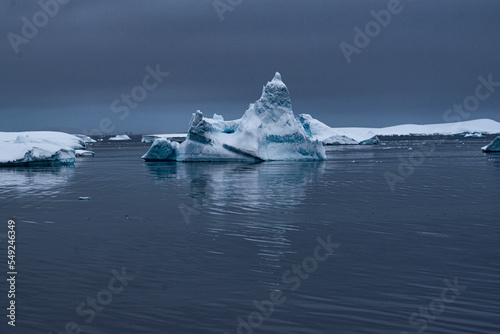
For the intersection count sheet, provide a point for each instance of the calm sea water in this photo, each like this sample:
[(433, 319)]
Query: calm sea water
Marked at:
[(215, 248)]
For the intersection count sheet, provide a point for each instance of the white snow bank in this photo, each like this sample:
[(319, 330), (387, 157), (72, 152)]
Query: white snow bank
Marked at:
[(38, 148), (357, 135), (494, 146), (484, 126), (120, 137), (267, 131)]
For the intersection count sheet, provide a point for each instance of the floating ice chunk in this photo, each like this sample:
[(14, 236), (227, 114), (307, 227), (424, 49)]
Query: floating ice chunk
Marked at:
[(162, 149), (86, 139), (120, 137), (267, 131), (474, 135), (84, 153), (494, 146)]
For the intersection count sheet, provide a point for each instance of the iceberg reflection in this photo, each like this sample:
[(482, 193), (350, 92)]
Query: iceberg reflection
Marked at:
[(45, 181), (246, 186), (254, 202)]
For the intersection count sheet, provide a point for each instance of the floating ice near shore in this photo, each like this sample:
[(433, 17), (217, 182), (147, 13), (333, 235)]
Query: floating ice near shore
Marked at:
[(86, 139), (474, 135), (120, 137), (494, 146), (38, 148), (84, 153), (267, 131)]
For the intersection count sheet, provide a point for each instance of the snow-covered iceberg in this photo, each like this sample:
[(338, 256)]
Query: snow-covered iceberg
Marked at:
[(120, 137), (330, 136), (86, 139), (474, 135), (494, 146), (38, 148), (267, 131), (84, 153)]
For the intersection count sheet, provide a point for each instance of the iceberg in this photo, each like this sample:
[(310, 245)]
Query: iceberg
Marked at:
[(474, 135), (494, 146), (86, 139), (45, 148), (330, 136), (84, 153), (267, 131), (120, 137)]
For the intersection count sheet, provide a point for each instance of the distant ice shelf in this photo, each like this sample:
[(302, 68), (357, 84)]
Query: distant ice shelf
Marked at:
[(476, 127)]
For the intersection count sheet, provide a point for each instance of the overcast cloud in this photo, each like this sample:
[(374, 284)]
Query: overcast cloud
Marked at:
[(91, 52)]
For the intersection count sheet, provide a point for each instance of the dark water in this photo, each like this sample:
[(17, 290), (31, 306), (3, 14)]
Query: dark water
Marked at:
[(204, 246)]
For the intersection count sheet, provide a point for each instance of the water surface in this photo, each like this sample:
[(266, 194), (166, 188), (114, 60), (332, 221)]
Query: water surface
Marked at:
[(205, 241)]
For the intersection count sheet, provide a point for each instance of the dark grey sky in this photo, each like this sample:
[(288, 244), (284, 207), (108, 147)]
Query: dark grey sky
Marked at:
[(91, 52)]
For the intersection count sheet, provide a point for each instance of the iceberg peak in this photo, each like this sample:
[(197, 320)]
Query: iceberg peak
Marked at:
[(277, 77), (275, 94)]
